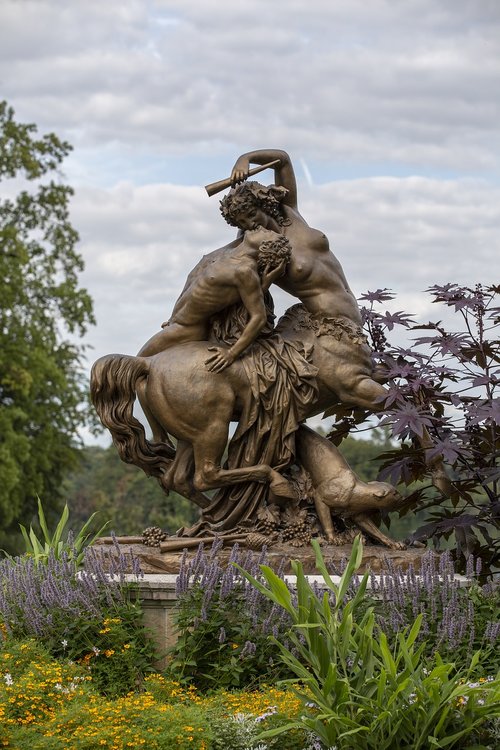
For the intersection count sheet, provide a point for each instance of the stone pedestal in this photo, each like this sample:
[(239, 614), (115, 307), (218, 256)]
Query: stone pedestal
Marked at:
[(158, 600), (157, 589), (375, 557)]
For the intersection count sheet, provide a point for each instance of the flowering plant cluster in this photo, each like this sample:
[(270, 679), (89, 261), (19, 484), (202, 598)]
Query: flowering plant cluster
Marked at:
[(364, 692), (33, 687), (53, 704), (445, 384), (237, 718), (86, 615), (386, 688), (223, 624), (458, 616)]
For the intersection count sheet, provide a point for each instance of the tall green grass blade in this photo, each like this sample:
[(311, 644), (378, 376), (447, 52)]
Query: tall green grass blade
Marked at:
[(353, 564), (320, 564), (385, 652), (60, 527), (36, 545), (27, 542), (42, 521), (279, 590)]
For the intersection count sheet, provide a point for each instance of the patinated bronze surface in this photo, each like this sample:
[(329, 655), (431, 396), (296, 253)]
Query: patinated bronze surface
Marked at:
[(376, 558), (220, 358)]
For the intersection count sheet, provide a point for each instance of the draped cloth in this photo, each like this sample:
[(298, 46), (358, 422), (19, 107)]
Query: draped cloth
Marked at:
[(282, 386)]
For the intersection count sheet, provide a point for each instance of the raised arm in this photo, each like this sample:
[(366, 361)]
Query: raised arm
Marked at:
[(283, 172)]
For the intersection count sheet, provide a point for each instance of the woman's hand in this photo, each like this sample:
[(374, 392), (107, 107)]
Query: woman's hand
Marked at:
[(240, 171), (220, 360), (269, 277)]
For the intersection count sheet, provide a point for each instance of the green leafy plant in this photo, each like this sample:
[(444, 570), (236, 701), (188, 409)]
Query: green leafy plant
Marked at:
[(117, 651), (72, 545), (223, 625), (365, 693), (215, 652), (86, 615)]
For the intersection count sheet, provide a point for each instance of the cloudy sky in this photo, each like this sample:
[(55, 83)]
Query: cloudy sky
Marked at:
[(390, 110)]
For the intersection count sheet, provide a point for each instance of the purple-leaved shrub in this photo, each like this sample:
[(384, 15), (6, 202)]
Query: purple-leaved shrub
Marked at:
[(446, 381)]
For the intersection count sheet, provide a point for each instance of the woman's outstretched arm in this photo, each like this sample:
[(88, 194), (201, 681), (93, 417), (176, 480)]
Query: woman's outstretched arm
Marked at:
[(283, 172)]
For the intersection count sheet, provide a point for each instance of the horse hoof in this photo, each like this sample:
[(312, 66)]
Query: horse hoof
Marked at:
[(282, 488)]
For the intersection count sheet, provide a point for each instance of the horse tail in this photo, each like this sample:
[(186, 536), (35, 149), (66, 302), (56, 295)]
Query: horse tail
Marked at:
[(113, 392)]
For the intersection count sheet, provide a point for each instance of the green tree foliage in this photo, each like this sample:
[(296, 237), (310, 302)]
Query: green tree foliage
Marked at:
[(41, 305), (124, 495)]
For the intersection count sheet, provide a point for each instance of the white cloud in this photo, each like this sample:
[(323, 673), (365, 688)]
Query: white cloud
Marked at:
[(406, 83), (153, 92)]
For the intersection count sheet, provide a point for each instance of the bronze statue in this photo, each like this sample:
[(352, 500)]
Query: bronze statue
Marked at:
[(338, 492), (315, 277), (267, 378), (239, 272)]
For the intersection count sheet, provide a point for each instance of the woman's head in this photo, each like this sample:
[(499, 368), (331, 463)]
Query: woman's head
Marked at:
[(241, 206)]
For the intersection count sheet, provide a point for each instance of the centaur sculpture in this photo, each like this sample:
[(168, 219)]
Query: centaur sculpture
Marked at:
[(220, 359)]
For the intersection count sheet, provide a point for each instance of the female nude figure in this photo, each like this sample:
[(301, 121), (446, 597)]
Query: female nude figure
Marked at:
[(314, 274)]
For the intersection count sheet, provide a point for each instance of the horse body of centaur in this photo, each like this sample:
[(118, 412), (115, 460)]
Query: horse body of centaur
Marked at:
[(181, 397)]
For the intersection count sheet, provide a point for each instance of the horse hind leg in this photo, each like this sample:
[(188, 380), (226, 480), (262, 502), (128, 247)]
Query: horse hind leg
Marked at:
[(209, 448), (159, 435), (180, 476)]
